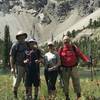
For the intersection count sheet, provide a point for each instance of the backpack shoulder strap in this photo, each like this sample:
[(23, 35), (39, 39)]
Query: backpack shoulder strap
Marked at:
[(60, 49), (74, 49), (17, 49)]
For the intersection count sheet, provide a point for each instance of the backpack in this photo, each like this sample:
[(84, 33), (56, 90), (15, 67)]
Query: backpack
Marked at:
[(69, 59)]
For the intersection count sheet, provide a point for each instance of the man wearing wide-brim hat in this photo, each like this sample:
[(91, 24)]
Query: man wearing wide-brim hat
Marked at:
[(21, 34), (17, 56)]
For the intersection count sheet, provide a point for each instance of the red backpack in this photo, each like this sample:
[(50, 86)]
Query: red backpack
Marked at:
[(69, 58)]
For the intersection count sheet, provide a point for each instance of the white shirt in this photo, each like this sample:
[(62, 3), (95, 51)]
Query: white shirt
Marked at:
[(51, 59)]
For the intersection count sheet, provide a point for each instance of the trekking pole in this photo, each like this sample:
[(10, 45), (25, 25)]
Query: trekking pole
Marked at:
[(92, 69), (90, 57)]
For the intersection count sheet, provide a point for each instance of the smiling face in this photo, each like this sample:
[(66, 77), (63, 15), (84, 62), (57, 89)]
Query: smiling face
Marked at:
[(51, 47), (66, 40), (21, 38), (33, 45)]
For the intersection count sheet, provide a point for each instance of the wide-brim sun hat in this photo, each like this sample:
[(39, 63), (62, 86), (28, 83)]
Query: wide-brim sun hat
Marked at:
[(21, 33), (50, 43)]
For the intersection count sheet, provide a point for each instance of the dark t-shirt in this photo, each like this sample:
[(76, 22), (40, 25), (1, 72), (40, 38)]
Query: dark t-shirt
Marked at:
[(18, 52), (32, 66)]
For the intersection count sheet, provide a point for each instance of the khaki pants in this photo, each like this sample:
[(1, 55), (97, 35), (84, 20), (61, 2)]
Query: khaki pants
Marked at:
[(73, 73), (20, 73)]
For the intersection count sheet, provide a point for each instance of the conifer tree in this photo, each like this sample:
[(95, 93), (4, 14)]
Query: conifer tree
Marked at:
[(90, 23), (7, 45), (73, 33)]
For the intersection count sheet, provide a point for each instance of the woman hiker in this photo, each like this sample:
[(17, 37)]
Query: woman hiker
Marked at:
[(52, 62)]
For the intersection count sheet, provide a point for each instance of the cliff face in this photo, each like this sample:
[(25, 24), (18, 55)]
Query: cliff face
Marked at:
[(42, 18)]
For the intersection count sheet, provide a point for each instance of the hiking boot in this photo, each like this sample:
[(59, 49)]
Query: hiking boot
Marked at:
[(30, 98), (78, 96), (27, 97), (67, 98), (15, 94), (35, 98)]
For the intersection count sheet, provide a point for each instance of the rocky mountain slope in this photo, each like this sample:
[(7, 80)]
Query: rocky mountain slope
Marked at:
[(42, 18), (83, 22)]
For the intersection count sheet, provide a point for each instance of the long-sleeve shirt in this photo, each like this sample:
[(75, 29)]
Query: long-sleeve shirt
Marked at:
[(69, 55)]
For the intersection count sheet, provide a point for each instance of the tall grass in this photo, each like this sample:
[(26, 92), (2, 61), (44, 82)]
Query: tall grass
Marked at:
[(89, 89)]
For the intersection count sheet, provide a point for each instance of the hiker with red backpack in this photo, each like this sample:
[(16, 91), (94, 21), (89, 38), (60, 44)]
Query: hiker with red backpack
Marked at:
[(70, 55)]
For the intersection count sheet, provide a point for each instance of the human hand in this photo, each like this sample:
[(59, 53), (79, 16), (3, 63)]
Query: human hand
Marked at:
[(26, 61), (52, 68), (37, 61), (12, 70)]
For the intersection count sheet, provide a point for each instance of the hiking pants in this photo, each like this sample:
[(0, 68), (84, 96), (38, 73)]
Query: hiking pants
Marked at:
[(73, 73), (51, 77), (20, 73)]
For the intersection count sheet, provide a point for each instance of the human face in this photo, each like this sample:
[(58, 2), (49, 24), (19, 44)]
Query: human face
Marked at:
[(21, 38), (51, 47), (66, 41), (33, 45)]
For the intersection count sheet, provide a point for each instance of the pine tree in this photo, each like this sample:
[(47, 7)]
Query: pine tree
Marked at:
[(95, 24), (90, 23), (73, 33), (69, 34), (1, 48), (7, 45)]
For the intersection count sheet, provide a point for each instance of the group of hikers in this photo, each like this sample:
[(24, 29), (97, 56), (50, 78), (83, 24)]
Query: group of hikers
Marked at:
[(25, 59)]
